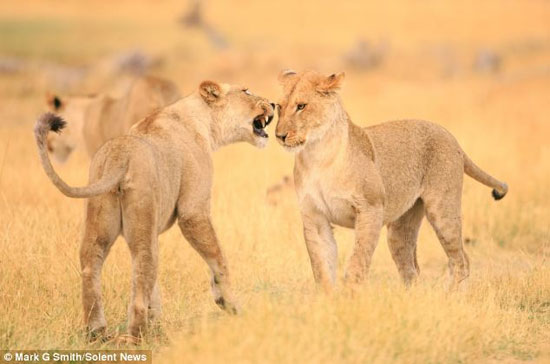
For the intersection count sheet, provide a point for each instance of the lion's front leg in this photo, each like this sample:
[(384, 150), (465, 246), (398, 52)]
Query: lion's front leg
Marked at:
[(368, 223), (198, 230), (321, 247)]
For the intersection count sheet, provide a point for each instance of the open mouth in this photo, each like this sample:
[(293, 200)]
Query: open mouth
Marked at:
[(259, 124)]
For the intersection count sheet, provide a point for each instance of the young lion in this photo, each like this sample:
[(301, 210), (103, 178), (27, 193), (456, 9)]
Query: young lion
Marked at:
[(97, 118), (141, 183), (364, 178)]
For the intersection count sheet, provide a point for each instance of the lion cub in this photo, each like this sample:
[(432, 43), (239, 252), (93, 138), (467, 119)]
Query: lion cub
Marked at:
[(364, 178), (142, 182)]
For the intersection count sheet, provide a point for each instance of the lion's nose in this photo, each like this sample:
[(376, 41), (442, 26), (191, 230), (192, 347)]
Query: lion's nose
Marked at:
[(272, 105), (282, 136)]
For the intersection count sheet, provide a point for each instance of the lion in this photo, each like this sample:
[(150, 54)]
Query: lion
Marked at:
[(389, 174), (94, 119), (159, 173)]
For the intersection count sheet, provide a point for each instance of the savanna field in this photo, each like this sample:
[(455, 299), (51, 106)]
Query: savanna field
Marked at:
[(480, 69)]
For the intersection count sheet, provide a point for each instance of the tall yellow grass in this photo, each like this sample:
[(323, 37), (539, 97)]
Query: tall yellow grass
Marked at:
[(500, 120)]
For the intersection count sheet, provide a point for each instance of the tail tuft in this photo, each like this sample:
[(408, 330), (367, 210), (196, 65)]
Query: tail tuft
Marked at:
[(48, 121), (55, 122), (498, 195), (499, 188)]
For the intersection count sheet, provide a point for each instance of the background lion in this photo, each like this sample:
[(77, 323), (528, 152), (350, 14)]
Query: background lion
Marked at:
[(94, 119)]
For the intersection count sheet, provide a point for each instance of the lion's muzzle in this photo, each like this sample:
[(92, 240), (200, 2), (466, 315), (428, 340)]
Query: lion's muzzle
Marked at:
[(263, 120)]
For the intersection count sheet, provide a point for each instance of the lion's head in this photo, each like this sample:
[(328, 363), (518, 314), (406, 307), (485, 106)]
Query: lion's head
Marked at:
[(309, 107), (73, 109), (240, 115)]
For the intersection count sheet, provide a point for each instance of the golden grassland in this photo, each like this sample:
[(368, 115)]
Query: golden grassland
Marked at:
[(502, 121)]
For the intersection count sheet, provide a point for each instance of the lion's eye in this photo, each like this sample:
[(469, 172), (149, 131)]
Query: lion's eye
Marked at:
[(246, 91), (300, 107)]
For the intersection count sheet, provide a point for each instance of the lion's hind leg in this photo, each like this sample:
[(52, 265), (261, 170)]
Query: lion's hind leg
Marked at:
[(140, 223), (443, 210), (102, 226), (155, 304), (402, 239)]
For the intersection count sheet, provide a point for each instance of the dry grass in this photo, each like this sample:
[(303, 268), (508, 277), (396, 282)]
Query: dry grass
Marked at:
[(501, 121)]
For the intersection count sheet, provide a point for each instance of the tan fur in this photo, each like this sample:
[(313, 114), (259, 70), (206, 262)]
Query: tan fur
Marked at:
[(97, 118), (364, 178), (142, 182)]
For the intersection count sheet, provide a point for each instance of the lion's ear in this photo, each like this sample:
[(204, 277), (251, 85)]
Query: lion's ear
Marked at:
[(286, 75), (332, 83), (54, 102), (210, 91)]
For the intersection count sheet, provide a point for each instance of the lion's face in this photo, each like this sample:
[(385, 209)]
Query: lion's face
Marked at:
[(240, 115), (60, 146), (308, 107), (72, 110)]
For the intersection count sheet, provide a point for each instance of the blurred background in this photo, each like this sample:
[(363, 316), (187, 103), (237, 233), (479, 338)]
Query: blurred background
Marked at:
[(75, 46), (479, 68)]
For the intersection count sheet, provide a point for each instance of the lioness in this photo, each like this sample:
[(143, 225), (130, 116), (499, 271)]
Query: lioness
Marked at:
[(142, 182), (97, 118), (364, 178)]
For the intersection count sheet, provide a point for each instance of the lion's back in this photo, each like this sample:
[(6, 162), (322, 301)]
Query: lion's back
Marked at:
[(405, 150)]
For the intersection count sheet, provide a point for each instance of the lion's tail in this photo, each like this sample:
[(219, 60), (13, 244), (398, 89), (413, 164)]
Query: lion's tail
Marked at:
[(471, 169), (51, 122)]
